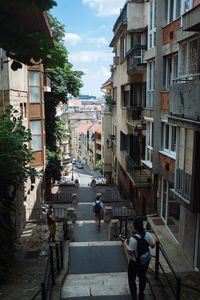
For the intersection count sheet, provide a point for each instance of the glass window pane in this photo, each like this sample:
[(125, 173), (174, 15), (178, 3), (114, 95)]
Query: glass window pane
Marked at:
[(164, 198), (173, 139), (178, 8), (171, 10), (36, 142), (173, 211), (35, 127), (34, 78), (151, 15), (34, 94), (167, 137), (152, 131)]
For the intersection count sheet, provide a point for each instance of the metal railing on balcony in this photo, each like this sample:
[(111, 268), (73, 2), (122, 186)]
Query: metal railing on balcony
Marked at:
[(135, 57), (139, 174), (134, 113), (183, 183)]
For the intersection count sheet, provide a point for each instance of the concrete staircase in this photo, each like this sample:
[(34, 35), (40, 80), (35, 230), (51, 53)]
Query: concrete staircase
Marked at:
[(97, 267)]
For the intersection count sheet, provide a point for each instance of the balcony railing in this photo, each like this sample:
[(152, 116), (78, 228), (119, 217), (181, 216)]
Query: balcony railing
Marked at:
[(134, 113), (139, 174), (183, 183), (135, 57), (184, 99)]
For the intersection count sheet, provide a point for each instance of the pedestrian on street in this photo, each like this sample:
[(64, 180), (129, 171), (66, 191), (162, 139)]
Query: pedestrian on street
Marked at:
[(97, 208), (138, 249), (51, 221)]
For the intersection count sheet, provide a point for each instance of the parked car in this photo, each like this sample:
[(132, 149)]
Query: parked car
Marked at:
[(74, 161), (79, 165)]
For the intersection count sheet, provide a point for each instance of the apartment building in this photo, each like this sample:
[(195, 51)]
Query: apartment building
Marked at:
[(129, 93), (156, 119), (25, 89), (173, 124), (106, 135)]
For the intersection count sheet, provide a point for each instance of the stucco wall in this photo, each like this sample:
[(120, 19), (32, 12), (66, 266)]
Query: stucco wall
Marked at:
[(137, 14)]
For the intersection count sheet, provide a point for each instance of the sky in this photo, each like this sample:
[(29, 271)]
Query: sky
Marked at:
[(88, 33)]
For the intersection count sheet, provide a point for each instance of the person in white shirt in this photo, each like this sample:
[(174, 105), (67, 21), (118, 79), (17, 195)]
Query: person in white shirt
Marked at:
[(134, 266)]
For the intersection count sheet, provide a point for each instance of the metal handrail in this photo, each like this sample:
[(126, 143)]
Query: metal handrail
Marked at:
[(176, 291), (56, 253)]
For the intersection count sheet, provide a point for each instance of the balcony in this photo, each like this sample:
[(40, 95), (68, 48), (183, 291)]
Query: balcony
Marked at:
[(133, 113), (183, 184), (191, 20), (135, 58), (140, 176), (184, 100)]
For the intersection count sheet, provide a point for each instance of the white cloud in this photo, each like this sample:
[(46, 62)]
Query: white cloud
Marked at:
[(106, 7), (105, 71), (101, 41), (90, 56), (72, 38)]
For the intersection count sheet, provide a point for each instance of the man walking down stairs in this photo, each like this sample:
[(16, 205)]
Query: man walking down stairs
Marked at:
[(97, 267)]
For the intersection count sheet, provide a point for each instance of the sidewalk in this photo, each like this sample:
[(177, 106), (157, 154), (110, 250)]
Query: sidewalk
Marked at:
[(97, 267)]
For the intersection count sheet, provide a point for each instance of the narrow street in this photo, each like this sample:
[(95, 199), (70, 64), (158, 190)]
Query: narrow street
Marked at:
[(97, 267)]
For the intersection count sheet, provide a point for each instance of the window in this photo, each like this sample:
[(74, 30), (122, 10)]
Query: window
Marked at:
[(122, 48), (171, 70), (149, 142), (170, 209), (187, 5), (21, 110), (123, 142), (136, 39), (126, 98), (169, 138), (25, 111), (184, 163), (189, 59), (136, 94), (152, 25), (150, 84), (173, 10), (34, 86), (36, 142), (125, 93)]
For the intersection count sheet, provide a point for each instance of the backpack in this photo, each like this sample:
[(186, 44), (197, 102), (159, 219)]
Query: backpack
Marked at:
[(97, 208), (143, 254)]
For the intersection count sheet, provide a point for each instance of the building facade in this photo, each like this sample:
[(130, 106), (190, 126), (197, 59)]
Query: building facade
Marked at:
[(128, 135), (24, 90), (156, 122)]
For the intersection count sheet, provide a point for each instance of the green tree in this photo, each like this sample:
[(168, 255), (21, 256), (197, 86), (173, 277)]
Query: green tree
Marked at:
[(15, 158), (64, 81), (99, 165), (21, 41), (109, 101)]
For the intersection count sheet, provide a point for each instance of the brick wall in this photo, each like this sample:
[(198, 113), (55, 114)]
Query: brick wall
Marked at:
[(169, 31), (196, 2), (164, 100), (166, 162)]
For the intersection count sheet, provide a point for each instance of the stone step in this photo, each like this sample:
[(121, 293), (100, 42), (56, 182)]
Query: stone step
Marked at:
[(104, 284)]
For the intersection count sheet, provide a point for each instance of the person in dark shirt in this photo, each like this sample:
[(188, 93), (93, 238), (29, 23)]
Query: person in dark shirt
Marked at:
[(51, 221)]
